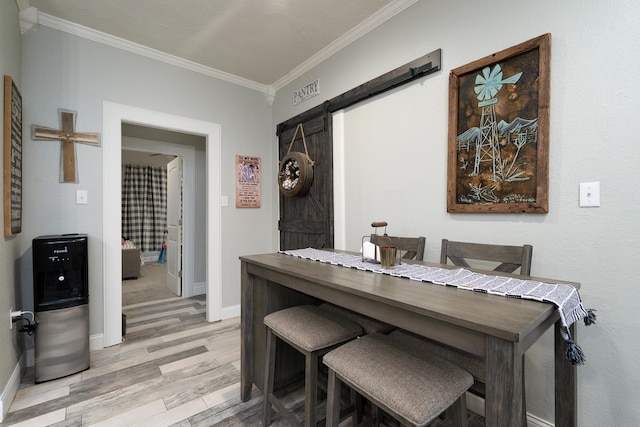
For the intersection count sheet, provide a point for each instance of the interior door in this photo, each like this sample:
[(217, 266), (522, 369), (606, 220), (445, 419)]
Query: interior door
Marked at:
[(307, 221), (174, 225)]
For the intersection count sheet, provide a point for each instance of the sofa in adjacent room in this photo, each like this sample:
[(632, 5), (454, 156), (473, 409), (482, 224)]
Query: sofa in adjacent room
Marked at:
[(130, 263)]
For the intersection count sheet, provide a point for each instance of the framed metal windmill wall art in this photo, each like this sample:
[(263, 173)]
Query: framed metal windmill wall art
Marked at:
[(498, 141)]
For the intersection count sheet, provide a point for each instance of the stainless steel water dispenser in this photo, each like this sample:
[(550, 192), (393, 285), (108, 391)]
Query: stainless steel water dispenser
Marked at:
[(61, 305)]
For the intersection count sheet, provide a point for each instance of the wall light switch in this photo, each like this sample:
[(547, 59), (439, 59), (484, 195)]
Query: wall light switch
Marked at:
[(81, 197), (589, 194), (224, 201)]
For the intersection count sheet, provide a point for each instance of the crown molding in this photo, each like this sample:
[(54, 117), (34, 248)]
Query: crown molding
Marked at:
[(28, 19), (380, 17), (375, 20), (119, 43)]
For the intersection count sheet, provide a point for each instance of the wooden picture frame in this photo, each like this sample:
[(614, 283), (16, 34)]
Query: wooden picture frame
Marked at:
[(12, 171), (498, 144)]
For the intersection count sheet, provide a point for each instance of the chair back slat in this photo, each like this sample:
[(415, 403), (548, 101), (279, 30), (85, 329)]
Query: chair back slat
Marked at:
[(510, 258), (410, 247)]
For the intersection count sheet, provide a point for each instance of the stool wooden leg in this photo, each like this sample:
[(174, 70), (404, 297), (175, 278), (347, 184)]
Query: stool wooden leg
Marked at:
[(269, 374), (358, 407), (458, 412), (333, 399), (524, 397), (311, 389)]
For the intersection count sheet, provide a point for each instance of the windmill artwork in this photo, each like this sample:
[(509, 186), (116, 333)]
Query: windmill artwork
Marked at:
[(498, 131)]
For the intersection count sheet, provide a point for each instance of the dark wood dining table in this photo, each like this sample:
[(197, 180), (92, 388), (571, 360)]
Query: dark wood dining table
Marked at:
[(497, 328)]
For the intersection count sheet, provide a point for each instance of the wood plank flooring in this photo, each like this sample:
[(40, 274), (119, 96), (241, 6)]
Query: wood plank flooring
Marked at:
[(173, 369)]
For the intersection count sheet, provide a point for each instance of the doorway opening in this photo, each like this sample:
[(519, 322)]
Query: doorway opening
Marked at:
[(182, 157), (151, 194), (115, 116)]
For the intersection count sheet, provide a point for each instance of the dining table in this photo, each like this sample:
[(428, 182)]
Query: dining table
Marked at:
[(496, 328)]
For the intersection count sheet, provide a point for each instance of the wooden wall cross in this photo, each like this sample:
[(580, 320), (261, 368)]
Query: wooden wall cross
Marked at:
[(68, 138)]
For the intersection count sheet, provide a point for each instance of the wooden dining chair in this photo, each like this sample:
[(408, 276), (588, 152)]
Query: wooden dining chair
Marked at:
[(508, 258), (409, 247)]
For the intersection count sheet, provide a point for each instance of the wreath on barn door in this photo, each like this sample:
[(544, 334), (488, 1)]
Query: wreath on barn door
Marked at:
[(296, 169)]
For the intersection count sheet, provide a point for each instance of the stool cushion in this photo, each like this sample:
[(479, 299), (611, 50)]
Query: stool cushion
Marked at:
[(369, 325), (418, 389), (311, 328), (471, 363)]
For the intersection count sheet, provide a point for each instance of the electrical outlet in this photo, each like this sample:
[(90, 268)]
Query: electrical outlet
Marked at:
[(14, 316)]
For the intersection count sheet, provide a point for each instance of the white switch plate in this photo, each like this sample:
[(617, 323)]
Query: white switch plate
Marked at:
[(589, 194), (81, 197), (224, 200)]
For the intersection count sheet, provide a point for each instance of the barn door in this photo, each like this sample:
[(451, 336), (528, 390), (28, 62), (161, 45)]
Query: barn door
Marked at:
[(307, 221)]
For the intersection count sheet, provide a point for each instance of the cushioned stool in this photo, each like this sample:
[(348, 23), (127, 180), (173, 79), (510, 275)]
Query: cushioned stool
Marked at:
[(413, 388), (471, 363), (369, 326), (313, 332)]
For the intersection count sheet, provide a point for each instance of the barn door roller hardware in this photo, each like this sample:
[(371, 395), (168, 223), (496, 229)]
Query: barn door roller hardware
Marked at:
[(420, 67)]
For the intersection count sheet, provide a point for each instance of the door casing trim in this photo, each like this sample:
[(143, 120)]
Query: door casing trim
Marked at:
[(113, 116)]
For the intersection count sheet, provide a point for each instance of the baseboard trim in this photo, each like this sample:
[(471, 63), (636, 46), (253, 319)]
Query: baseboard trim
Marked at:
[(534, 421), (199, 288), (96, 342), (11, 388), (230, 312), (476, 404), (151, 256)]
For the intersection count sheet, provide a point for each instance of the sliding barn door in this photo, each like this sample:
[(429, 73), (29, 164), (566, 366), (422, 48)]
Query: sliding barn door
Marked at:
[(307, 221)]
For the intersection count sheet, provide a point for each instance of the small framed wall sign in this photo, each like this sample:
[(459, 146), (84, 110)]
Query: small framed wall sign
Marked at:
[(499, 131), (12, 176), (247, 181)]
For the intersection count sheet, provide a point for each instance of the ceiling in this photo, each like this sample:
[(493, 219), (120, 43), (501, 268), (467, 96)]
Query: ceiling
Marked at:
[(259, 43)]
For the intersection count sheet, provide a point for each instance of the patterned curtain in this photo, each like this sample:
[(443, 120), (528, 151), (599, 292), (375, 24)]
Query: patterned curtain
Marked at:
[(144, 206)]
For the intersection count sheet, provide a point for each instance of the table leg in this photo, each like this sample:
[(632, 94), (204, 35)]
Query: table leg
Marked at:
[(505, 385), (566, 382), (246, 333)]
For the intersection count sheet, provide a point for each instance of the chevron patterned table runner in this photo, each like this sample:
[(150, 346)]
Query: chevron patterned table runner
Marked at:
[(565, 297)]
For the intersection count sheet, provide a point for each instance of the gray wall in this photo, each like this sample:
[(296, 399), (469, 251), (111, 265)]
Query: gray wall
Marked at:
[(11, 345), (64, 71), (595, 98)]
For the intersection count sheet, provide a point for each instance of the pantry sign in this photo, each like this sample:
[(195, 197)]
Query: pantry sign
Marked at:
[(306, 92)]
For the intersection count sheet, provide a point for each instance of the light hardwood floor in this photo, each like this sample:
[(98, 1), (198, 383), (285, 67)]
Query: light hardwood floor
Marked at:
[(173, 369)]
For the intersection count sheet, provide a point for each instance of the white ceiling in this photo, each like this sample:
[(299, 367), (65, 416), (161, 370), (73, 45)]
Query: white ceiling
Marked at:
[(259, 43)]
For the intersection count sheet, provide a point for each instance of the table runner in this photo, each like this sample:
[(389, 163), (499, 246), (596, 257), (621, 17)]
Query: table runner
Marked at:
[(565, 297)]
